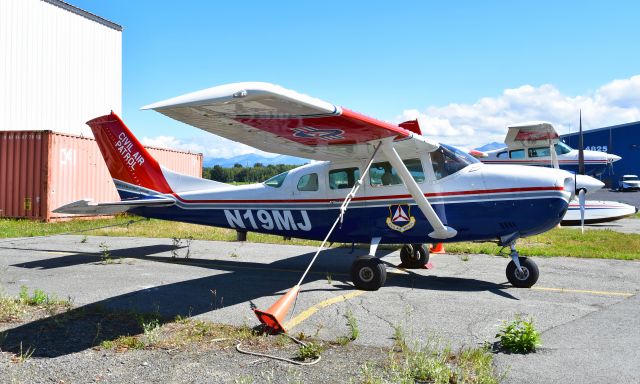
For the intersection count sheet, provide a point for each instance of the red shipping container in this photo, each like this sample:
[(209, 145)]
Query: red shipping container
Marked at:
[(43, 170)]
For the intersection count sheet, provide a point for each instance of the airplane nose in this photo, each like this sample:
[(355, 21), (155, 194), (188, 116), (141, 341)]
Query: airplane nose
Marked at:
[(588, 183), (613, 158)]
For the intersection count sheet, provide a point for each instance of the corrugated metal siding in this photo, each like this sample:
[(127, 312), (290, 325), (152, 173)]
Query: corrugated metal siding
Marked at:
[(42, 170), (57, 69), (22, 175), (622, 140)]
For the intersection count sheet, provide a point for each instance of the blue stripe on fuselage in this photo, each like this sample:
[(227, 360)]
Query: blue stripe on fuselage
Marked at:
[(485, 220)]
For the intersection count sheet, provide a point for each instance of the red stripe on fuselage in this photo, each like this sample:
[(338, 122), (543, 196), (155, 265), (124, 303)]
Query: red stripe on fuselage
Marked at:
[(387, 197)]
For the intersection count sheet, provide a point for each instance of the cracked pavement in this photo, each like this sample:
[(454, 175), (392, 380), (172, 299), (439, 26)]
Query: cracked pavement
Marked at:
[(587, 309)]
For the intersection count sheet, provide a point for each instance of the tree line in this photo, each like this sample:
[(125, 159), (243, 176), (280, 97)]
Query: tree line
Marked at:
[(239, 174)]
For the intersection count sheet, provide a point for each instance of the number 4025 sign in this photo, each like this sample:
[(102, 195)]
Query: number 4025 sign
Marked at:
[(601, 148)]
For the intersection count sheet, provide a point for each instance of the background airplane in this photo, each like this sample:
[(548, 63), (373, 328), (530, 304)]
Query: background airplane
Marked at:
[(529, 144), (403, 187)]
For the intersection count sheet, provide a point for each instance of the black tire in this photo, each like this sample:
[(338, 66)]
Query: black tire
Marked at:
[(529, 276), (368, 274), (414, 256)]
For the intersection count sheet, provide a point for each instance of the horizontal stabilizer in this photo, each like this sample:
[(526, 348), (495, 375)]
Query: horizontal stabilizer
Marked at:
[(87, 207)]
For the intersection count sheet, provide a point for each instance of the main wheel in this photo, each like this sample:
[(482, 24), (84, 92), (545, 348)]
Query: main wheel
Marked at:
[(414, 255), (368, 274), (525, 279)]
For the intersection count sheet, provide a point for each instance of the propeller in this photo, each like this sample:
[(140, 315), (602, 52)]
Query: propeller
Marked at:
[(581, 192)]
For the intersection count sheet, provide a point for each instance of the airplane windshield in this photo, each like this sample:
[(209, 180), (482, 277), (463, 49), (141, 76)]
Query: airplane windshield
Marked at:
[(562, 148), (277, 180), (448, 160)]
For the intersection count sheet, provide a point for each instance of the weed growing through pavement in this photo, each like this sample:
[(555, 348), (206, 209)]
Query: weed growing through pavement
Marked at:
[(105, 255), (180, 243), (310, 350), (354, 332), (84, 239), (464, 257), (23, 355), (329, 278), (234, 255), (518, 336)]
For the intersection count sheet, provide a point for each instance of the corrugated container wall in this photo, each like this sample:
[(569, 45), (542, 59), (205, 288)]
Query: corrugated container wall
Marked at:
[(59, 66), (43, 170)]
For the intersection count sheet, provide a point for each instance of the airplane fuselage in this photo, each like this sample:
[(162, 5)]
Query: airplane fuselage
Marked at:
[(481, 202)]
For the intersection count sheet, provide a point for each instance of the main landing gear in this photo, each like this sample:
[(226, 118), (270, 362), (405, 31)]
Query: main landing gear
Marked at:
[(414, 256), (369, 273), (521, 271)]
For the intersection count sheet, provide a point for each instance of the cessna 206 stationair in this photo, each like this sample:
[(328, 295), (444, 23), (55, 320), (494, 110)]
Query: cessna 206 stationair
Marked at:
[(403, 188)]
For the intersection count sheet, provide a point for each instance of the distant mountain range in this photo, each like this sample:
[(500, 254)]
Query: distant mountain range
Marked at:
[(491, 146), (250, 159)]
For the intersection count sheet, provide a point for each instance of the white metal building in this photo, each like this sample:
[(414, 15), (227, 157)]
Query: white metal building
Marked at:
[(60, 66)]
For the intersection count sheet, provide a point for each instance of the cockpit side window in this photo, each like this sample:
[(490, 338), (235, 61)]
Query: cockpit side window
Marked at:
[(308, 182), (384, 174), (448, 160), (343, 178), (517, 154), (539, 152), (502, 154)]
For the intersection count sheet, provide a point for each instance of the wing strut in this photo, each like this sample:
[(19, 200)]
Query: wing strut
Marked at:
[(440, 231)]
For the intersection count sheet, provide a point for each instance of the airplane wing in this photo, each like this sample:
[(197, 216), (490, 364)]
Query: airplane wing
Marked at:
[(531, 133), (87, 207), (275, 119)]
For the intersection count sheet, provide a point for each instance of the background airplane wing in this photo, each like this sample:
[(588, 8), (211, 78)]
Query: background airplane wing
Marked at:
[(275, 119), (531, 133)]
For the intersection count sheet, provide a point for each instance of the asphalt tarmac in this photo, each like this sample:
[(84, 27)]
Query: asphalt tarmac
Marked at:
[(587, 310)]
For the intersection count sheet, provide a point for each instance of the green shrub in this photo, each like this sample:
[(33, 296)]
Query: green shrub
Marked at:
[(519, 336)]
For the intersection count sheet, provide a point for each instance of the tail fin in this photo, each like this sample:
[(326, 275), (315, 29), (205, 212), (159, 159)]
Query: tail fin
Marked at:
[(128, 161)]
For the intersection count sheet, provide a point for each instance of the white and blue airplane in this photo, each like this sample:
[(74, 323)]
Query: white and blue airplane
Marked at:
[(400, 186), (538, 144)]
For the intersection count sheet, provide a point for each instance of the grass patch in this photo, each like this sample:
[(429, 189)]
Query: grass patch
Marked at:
[(430, 364), (13, 309), (567, 242), (518, 336)]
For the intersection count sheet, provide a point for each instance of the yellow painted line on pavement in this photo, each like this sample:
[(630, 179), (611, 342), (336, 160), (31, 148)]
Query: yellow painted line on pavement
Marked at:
[(304, 315), (566, 290)]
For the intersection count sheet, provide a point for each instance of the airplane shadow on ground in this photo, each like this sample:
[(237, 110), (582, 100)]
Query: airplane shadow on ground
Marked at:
[(88, 326)]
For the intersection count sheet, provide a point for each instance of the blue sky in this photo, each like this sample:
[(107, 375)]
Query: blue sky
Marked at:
[(465, 68)]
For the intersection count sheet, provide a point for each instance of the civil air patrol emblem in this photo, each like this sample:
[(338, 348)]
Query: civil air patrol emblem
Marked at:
[(400, 218)]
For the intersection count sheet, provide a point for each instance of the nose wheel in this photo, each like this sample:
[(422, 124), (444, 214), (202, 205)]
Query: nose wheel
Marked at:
[(368, 273), (521, 271), (414, 256)]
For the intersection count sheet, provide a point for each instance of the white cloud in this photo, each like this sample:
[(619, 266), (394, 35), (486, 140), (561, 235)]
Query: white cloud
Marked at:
[(486, 120), (209, 146)]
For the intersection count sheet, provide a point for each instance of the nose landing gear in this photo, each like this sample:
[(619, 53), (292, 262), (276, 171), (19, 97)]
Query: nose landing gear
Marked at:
[(521, 271)]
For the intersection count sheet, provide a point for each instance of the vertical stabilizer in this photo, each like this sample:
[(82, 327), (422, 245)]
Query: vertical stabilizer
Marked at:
[(128, 161)]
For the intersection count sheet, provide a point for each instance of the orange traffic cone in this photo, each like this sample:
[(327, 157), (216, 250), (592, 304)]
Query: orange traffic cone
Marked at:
[(274, 316), (437, 248)]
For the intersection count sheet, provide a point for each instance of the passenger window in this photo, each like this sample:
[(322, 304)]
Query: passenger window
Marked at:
[(539, 152), (384, 174), (502, 154), (517, 154), (343, 178), (308, 182)]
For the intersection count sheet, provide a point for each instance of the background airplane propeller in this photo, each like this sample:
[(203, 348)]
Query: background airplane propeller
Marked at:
[(581, 192)]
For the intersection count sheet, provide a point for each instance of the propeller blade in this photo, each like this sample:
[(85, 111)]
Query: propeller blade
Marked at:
[(581, 200), (580, 149)]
